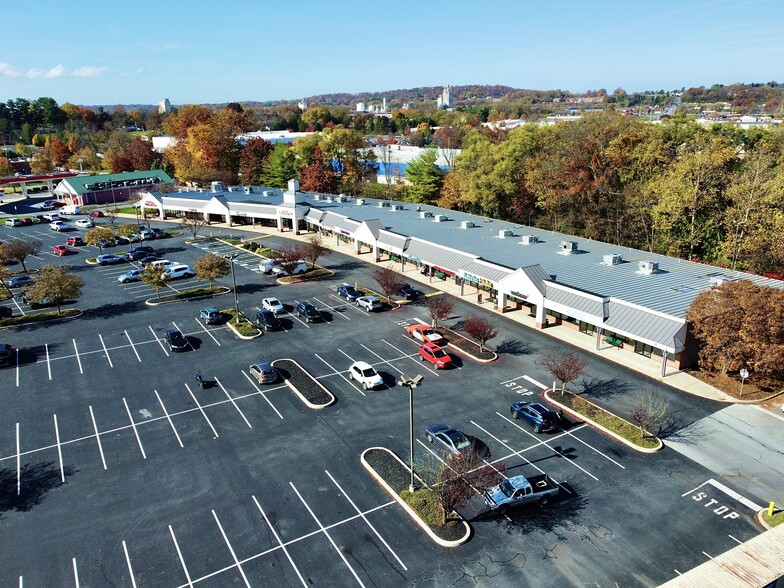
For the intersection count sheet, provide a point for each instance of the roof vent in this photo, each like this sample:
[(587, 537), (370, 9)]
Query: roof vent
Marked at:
[(439, 218), (425, 214), (568, 247), (529, 239), (648, 267), (612, 259), (360, 201), (504, 233), (719, 280)]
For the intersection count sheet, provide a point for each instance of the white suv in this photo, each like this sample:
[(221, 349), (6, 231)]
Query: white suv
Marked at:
[(177, 271), (57, 225), (365, 374)]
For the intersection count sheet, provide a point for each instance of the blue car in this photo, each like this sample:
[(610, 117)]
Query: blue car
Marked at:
[(536, 415), (21, 280), (409, 293), (449, 439), (348, 292)]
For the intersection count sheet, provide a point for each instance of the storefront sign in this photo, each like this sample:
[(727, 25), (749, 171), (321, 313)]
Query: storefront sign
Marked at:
[(283, 212), (518, 294), (469, 277), (149, 203), (443, 271), (346, 233)]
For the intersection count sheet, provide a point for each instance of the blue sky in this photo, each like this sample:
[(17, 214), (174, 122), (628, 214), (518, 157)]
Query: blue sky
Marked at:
[(90, 52)]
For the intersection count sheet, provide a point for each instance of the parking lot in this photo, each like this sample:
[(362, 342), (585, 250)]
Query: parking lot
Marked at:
[(116, 468)]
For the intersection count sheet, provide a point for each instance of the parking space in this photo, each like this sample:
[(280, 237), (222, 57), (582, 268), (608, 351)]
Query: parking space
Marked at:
[(128, 472)]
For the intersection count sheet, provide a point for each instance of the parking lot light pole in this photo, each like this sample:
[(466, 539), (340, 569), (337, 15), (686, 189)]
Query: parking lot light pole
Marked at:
[(231, 259), (411, 384)]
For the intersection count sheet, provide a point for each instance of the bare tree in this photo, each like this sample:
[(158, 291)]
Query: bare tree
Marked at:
[(111, 215), (648, 412), (19, 250), (439, 308), (193, 225), (287, 257), (313, 248), (388, 280), (480, 329), (565, 367)]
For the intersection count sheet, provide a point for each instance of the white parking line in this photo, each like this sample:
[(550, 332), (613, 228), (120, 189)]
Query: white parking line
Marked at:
[(48, 363), (264, 396), (282, 546), (18, 464), (168, 418), (182, 561), (132, 345), (519, 454), (334, 311), (242, 414), (438, 457), (59, 449), (206, 330), (184, 335), (534, 382), (97, 436), (76, 572), (350, 383), (128, 561), (17, 367), (569, 432), (544, 443), (337, 549), (133, 426), (364, 518), (204, 414), (106, 351), (159, 341), (231, 549), (410, 357), (79, 361), (382, 359)]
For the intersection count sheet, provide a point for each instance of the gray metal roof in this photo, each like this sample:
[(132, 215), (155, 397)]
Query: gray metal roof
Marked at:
[(538, 276), (314, 216), (671, 291), (582, 301), (392, 241), (433, 254), (645, 326), (375, 226), (251, 209), (492, 272)]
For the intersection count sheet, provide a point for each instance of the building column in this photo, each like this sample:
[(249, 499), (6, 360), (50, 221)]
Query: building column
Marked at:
[(50, 185), (502, 302), (24, 190), (357, 246), (599, 333), (664, 363), (541, 320)]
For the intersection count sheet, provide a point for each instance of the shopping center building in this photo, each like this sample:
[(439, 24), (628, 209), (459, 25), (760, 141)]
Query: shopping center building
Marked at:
[(628, 298)]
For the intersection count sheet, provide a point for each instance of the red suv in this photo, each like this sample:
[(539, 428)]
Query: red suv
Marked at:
[(61, 250), (74, 241), (435, 355)]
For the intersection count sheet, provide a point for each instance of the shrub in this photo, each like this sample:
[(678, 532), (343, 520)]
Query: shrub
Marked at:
[(425, 503)]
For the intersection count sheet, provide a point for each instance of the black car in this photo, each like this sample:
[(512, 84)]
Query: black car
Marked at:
[(536, 415), (176, 340), (5, 354), (5, 312), (267, 320), (159, 233), (307, 310), (148, 259), (137, 253), (409, 293), (348, 292)]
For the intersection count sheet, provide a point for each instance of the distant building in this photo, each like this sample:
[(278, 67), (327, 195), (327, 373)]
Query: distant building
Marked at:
[(445, 99), (384, 105), (164, 106), (392, 160), (109, 188), (303, 105), (361, 107)]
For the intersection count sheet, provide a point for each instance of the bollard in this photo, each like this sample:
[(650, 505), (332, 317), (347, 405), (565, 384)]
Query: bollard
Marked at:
[(770, 508)]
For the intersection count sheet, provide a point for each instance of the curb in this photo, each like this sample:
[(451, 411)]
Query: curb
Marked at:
[(294, 389), (583, 418), (245, 337), (475, 358), (53, 319), (408, 509), (760, 520), (156, 302)]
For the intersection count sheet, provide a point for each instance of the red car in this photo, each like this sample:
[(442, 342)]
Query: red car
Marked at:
[(61, 250), (74, 241), (435, 355), (96, 213)]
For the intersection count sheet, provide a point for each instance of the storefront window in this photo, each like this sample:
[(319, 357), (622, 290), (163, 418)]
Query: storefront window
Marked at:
[(587, 328)]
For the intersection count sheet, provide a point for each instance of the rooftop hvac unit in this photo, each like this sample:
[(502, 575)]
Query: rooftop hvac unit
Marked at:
[(612, 259), (467, 224), (339, 198), (397, 207), (719, 280), (504, 233), (648, 267), (529, 239), (316, 196), (568, 247), (360, 201), (247, 190), (425, 214), (217, 186), (383, 204), (439, 218), (266, 193), (328, 198)]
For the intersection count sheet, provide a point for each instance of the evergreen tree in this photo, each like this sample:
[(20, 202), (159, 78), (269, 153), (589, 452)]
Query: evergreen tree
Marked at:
[(279, 168), (426, 177)]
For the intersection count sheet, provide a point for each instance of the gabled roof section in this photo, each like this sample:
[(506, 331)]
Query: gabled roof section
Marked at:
[(645, 325), (537, 275), (83, 184)]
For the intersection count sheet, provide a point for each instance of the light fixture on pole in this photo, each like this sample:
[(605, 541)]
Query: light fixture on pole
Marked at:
[(411, 384), (231, 259), (80, 160)]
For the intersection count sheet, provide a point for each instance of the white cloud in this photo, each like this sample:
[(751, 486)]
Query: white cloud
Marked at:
[(88, 71), (57, 71), (8, 71), (135, 72)]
